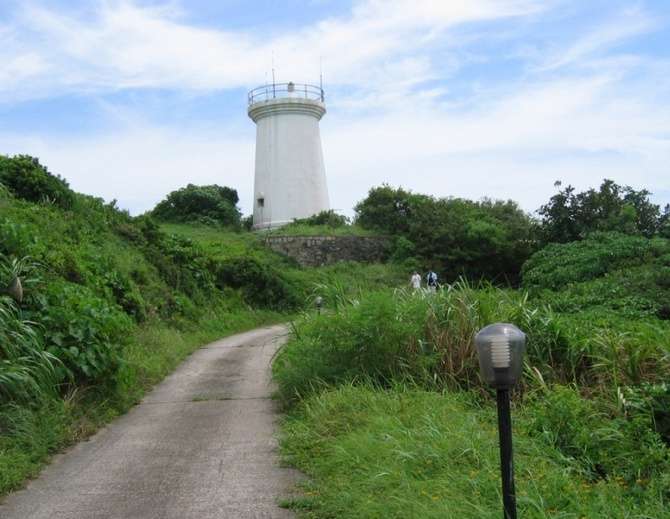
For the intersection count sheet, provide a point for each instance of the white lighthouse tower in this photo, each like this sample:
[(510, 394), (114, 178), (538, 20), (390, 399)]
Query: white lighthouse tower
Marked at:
[(290, 180)]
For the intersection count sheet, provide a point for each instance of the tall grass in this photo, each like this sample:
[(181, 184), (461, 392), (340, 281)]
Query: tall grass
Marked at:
[(406, 453), (428, 337), (605, 425), (26, 369)]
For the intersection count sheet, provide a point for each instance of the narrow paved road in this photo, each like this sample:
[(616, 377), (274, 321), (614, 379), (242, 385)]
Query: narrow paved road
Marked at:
[(200, 445)]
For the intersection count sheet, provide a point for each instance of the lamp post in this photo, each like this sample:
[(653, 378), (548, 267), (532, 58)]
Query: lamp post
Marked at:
[(500, 349), (319, 303)]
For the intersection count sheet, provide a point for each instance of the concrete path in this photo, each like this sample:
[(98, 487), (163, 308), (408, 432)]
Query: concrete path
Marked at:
[(200, 445)]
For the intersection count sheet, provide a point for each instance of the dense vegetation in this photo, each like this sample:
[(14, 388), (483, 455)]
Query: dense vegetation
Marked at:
[(387, 414), (112, 303), (205, 204), (570, 216), (455, 237)]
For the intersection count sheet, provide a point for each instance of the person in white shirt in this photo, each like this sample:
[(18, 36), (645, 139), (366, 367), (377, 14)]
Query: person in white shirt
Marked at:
[(415, 281)]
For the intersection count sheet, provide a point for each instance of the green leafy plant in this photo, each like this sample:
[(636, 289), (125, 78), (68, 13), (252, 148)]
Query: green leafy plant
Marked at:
[(456, 237), (85, 332), (26, 369), (604, 443), (209, 204), (26, 178)]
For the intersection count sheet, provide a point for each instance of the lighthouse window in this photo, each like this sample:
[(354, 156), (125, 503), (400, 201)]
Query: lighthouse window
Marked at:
[(261, 202)]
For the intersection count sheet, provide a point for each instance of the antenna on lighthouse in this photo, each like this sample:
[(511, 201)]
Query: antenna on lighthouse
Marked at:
[(321, 78), (273, 75)]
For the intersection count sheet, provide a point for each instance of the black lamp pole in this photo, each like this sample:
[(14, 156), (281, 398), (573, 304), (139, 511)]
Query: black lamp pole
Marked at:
[(500, 349), (506, 463)]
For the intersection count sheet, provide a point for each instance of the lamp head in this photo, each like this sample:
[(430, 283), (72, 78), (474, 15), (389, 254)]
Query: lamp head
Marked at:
[(500, 348)]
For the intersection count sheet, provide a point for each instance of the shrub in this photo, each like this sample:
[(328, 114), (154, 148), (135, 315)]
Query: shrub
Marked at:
[(181, 262), (85, 332), (456, 237), (327, 218), (26, 178), (557, 265), (262, 284), (609, 271), (606, 445), (209, 204)]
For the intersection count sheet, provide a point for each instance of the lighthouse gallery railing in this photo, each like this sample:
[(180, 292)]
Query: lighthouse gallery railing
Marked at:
[(280, 90)]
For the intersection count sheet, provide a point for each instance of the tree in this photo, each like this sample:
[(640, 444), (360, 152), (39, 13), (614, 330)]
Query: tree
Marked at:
[(26, 178), (489, 239), (571, 216), (387, 210), (211, 203)]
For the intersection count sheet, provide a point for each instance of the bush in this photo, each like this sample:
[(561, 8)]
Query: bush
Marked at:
[(262, 284), (608, 271), (606, 445), (85, 332), (455, 237), (327, 218), (558, 265), (26, 178), (208, 204)]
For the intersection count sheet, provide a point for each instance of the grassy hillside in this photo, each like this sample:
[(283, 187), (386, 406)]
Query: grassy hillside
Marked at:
[(111, 306), (409, 453), (113, 303), (388, 417), (334, 283)]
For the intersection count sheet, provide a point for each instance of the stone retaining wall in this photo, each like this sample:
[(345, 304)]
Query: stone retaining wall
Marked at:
[(314, 251)]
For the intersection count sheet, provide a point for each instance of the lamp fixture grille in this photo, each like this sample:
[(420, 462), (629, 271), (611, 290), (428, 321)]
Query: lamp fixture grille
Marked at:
[(501, 356)]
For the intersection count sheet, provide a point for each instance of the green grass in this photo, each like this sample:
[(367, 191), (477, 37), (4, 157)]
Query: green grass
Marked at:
[(298, 229), (331, 281), (406, 453), (30, 435), (590, 428), (220, 243)]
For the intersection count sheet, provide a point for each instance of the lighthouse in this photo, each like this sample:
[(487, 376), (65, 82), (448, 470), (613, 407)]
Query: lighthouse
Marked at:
[(290, 178)]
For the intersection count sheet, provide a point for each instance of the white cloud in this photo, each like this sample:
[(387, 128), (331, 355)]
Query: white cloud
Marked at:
[(127, 46), (580, 114), (627, 24), (579, 130)]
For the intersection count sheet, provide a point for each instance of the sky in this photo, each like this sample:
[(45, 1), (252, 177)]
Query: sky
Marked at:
[(131, 99)]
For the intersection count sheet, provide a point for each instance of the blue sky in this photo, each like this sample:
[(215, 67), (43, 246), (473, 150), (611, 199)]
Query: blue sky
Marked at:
[(131, 99)]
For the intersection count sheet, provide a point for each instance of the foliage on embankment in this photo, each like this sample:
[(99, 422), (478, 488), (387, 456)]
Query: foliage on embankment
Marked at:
[(595, 406), (112, 304), (410, 453)]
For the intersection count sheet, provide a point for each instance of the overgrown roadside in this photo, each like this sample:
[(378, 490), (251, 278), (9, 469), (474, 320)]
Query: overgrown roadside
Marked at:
[(110, 304), (387, 417), (53, 423)]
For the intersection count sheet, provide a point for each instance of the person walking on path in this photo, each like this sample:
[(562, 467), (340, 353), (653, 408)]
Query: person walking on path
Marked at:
[(431, 281), (415, 281)]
